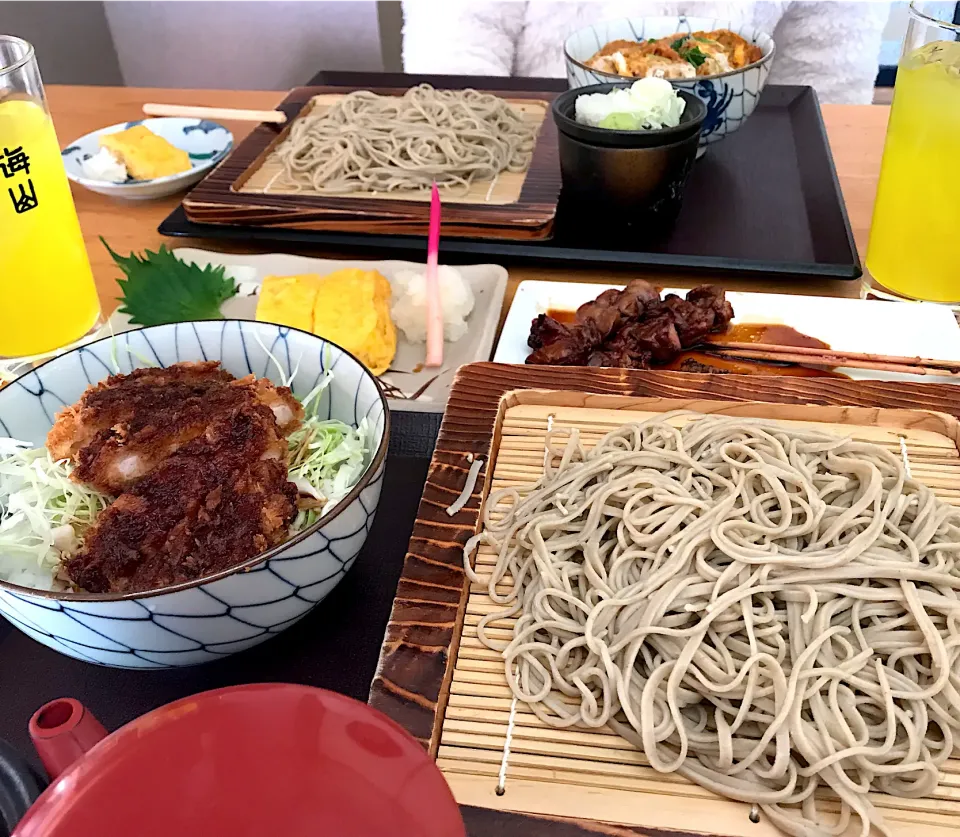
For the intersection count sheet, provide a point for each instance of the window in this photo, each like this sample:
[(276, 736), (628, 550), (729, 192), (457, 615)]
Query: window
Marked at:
[(893, 37)]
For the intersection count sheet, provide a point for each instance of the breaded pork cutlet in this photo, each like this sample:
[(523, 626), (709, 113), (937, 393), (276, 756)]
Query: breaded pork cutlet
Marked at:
[(115, 401), (199, 461), (125, 427), (221, 498)]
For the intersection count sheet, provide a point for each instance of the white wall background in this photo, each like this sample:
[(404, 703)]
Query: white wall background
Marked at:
[(241, 45), (72, 40)]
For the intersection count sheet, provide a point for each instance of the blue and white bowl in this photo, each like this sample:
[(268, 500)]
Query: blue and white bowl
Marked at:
[(730, 97), (238, 608), (206, 142)]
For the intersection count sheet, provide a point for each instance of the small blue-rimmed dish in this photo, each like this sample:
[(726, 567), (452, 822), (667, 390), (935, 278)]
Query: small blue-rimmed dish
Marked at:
[(206, 142)]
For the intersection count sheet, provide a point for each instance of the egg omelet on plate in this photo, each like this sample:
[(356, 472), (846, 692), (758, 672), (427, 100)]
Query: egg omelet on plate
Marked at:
[(145, 154), (349, 307)]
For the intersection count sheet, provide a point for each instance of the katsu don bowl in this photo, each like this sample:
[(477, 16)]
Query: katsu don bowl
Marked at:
[(176, 494), (682, 50)]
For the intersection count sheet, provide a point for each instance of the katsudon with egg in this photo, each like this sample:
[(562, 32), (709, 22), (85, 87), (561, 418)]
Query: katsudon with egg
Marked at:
[(677, 56)]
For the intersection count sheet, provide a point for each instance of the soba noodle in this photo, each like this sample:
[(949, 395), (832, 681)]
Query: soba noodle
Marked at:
[(764, 610), (377, 143)]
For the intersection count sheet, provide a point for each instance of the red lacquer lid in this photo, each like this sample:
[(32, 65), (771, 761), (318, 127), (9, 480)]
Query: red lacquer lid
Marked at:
[(265, 760)]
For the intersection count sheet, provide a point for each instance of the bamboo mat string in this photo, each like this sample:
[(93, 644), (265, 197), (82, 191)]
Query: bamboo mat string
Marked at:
[(906, 459), (266, 189), (546, 450), (502, 778), (493, 183)]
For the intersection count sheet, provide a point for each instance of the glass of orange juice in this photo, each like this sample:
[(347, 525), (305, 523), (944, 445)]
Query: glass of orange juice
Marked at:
[(47, 295), (916, 217)]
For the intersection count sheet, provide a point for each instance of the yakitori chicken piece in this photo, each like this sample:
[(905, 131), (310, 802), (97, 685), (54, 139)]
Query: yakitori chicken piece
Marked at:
[(631, 328)]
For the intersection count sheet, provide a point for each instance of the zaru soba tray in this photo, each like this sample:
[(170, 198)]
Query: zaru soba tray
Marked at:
[(765, 200), (449, 690), (247, 190)]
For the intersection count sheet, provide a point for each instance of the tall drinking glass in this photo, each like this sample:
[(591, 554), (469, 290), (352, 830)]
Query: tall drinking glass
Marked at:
[(916, 219), (47, 294)]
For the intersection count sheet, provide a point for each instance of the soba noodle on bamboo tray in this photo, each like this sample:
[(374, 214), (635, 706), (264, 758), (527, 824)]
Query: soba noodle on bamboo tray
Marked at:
[(767, 611), (372, 143)]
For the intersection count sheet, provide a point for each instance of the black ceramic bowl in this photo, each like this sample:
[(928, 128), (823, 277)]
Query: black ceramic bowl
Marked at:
[(638, 176)]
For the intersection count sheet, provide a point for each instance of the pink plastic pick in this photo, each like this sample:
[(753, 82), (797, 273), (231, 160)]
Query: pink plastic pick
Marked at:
[(434, 304)]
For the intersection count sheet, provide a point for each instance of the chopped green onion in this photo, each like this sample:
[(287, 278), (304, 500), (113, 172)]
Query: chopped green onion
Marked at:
[(694, 56)]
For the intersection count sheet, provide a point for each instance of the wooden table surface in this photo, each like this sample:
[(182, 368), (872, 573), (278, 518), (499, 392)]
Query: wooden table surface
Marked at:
[(856, 137)]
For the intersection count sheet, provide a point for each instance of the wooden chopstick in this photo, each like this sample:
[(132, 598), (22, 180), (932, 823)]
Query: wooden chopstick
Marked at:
[(832, 357), (237, 114)]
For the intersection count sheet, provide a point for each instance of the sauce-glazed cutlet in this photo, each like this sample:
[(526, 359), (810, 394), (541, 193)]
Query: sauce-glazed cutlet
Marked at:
[(127, 426), (222, 498), (199, 461)]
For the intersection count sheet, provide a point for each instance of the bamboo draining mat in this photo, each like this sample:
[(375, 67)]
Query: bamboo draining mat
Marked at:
[(521, 206), (414, 683), (262, 179), (595, 774)]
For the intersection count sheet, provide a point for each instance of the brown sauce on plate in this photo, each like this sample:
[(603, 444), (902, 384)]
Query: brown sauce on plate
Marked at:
[(771, 334), (768, 333), (562, 315), (695, 360)]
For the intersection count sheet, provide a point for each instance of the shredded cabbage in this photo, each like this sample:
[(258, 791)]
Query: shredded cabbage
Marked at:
[(44, 514), (327, 457)]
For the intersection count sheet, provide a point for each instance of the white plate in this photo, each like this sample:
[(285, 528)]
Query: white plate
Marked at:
[(909, 329), (206, 142), (488, 282)]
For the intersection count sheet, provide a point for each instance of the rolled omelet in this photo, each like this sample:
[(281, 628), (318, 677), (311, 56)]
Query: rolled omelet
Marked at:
[(145, 154), (288, 300), (350, 307)]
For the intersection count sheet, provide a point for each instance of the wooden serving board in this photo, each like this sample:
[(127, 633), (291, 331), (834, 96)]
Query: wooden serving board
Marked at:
[(242, 190), (439, 682)]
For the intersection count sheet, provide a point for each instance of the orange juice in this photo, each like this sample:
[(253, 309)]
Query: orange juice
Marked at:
[(47, 294), (916, 219)]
